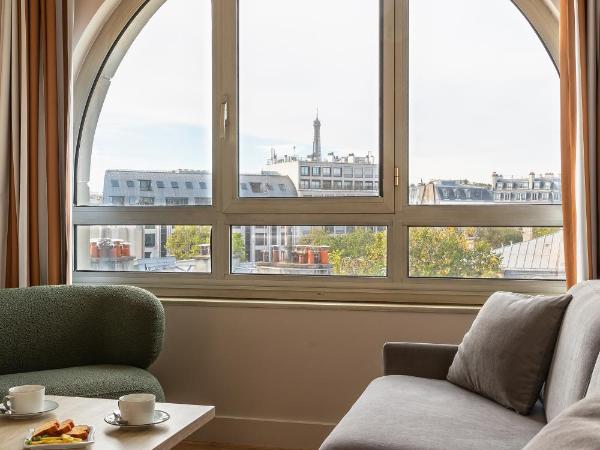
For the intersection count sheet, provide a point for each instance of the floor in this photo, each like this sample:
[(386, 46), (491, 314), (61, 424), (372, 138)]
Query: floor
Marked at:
[(200, 446)]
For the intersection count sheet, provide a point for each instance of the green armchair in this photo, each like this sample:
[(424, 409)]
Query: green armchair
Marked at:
[(86, 341)]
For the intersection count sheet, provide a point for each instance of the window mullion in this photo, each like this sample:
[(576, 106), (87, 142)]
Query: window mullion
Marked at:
[(224, 127), (401, 101), (225, 118)]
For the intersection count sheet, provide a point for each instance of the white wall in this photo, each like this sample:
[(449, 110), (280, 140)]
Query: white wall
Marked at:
[(283, 377), (84, 10)]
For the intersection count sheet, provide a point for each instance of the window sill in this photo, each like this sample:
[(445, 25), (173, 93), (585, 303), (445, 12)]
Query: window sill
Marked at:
[(321, 305), (437, 292)]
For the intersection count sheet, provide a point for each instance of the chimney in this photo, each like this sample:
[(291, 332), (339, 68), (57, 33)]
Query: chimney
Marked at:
[(495, 177), (531, 179)]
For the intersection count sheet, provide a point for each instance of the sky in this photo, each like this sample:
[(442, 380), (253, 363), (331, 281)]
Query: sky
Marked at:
[(484, 94)]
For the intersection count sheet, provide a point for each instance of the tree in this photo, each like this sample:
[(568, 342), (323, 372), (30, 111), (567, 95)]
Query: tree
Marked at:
[(499, 236), (238, 246), (185, 240), (359, 252), (543, 231), (450, 252)]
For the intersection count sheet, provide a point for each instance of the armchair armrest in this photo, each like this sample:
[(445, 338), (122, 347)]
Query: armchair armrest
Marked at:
[(418, 360)]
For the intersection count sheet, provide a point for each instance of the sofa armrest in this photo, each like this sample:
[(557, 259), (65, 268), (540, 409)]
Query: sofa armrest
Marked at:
[(418, 360)]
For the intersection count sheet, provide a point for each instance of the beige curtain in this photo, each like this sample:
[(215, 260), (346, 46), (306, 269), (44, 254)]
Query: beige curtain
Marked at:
[(34, 159), (579, 58)]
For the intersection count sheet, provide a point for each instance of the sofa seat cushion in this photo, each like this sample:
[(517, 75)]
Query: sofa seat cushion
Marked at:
[(102, 381), (398, 412)]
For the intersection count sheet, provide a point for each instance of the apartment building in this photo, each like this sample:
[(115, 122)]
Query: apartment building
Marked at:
[(439, 192), (183, 187), (542, 188), (533, 189)]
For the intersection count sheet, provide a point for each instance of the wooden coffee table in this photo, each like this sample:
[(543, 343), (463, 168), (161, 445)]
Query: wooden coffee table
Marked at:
[(185, 419)]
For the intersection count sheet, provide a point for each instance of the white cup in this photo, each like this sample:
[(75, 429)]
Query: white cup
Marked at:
[(137, 409), (27, 399)]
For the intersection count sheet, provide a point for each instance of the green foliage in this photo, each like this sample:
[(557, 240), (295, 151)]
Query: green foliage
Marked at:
[(451, 252), (238, 246), (359, 252), (543, 231), (499, 236), (185, 240)]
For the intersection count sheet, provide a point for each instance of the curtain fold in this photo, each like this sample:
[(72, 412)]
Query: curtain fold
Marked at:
[(580, 151), (34, 124)]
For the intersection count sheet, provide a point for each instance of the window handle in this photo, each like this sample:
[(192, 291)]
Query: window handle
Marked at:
[(224, 119)]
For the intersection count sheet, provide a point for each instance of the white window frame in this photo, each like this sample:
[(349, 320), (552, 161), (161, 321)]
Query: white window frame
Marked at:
[(391, 209)]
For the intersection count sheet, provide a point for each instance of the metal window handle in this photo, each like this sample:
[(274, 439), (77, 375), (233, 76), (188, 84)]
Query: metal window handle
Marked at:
[(224, 119)]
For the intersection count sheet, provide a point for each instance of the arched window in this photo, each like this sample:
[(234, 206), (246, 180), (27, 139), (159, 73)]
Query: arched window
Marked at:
[(346, 145), (155, 98)]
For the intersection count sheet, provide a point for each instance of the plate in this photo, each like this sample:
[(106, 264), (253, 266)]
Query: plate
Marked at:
[(49, 405), (159, 417), (82, 444)]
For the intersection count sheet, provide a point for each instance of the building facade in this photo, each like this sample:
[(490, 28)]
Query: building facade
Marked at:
[(542, 188), (439, 192), (183, 187), (535, 189), (332, 176)]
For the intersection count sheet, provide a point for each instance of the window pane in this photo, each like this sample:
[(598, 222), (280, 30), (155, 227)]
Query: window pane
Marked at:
[(144, 248), (309, 250), (484, 106), (310, 96), (154, 128), (487, 252)]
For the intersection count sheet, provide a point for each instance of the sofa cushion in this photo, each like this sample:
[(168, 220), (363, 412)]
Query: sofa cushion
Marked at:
[(506, 354), (102, 381), (577, 427), (399, 412), (576, 351)]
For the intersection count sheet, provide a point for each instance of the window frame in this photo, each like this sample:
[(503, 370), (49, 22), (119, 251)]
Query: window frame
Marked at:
[(120, 27), (225, 79), (453, 215)]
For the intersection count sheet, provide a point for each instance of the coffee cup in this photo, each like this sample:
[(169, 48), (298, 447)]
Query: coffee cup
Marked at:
[(137, 409), (26, 399)]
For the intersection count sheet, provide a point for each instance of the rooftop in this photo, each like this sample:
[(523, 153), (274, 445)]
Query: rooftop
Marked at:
[(542, 257)]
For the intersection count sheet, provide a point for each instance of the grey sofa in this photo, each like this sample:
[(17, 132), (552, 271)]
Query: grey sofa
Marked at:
[(87, 341), (413, 406)]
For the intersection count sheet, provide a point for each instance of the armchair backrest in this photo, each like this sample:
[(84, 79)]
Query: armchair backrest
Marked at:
[(51, 327), (576, 351)]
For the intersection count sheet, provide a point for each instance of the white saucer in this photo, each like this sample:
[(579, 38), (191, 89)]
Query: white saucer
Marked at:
[(49, 405), (159, 417)]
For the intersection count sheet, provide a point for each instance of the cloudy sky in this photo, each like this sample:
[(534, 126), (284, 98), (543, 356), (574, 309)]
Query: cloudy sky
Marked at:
[(483, 91)]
